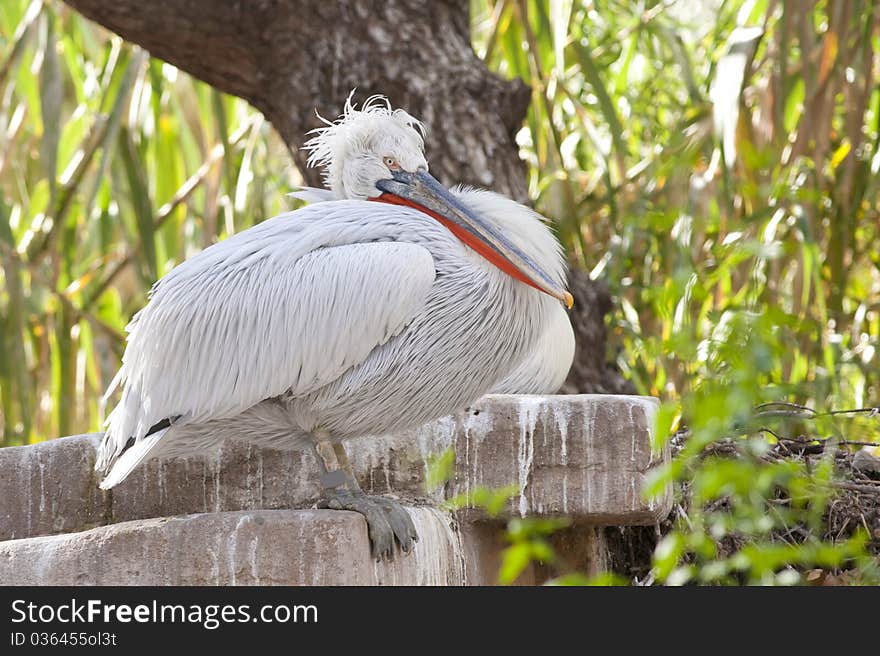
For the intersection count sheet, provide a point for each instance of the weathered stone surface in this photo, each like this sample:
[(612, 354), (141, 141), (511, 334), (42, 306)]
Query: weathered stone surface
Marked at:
[(264, 547), (237, 477), (585, 456), (49, 488)]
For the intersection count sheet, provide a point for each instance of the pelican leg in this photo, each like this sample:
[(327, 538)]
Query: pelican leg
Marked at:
[(386, 518)]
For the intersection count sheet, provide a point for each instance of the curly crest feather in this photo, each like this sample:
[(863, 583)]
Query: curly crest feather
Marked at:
[(375, 130)]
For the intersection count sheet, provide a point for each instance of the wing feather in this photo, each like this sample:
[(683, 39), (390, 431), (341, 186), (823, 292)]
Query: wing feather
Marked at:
[(253, 318), (313, 194)]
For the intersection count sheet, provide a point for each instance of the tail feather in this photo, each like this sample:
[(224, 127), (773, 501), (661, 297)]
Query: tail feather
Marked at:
[(131, 458)]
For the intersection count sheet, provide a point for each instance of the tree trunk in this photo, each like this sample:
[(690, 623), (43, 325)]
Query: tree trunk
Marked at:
[(291, 57)]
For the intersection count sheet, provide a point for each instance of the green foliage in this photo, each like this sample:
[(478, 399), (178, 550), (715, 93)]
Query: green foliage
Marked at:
[(727, 193), (440, 468), (113, 169), (751, 517), (529, 542), (625, 157)]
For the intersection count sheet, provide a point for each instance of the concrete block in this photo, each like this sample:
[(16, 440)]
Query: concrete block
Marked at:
[(585, 456), (50, 488), (264, 547)]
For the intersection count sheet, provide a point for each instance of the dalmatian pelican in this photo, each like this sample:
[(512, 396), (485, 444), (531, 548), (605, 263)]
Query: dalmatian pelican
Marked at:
[(392, 302)]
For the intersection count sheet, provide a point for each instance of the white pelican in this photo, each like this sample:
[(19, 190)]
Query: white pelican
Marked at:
[(397, 304)]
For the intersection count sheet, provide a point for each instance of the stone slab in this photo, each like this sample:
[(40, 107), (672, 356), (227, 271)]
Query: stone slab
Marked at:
[(263, 547), (50, 488), (585, 456)]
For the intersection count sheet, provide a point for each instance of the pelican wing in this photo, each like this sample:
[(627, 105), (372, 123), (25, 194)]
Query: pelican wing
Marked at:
[(260, 315)]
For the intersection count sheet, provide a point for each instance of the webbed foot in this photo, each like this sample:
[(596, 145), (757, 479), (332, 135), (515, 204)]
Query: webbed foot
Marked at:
[(387, 520)]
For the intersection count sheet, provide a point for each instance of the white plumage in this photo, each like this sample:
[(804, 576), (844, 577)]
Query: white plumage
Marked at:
[(545, 366), (345, 318)]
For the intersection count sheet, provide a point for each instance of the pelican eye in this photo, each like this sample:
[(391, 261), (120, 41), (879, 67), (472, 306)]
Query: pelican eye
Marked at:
[(391, 163)]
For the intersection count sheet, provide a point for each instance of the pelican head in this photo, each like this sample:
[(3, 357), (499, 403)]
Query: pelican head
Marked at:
[(377, 153)]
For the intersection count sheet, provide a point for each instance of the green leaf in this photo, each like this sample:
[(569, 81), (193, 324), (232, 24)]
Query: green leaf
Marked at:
[(514, 560), (609, 112), (141, 202), (440, 469)]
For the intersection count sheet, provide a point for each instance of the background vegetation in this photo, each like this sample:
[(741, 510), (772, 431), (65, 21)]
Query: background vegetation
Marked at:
[(715, 163)]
